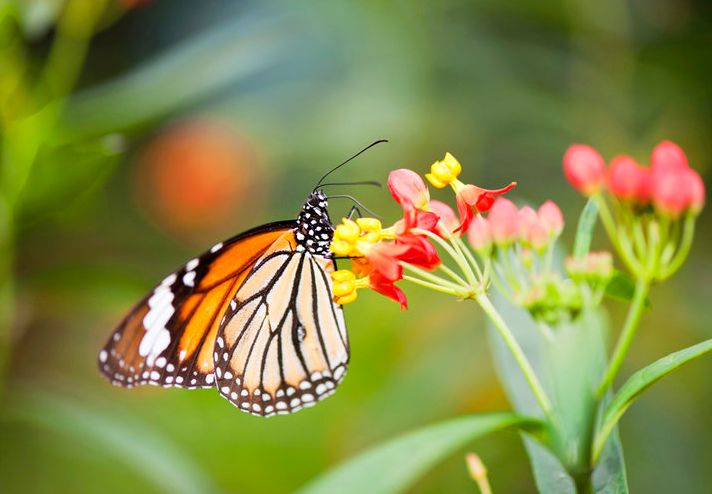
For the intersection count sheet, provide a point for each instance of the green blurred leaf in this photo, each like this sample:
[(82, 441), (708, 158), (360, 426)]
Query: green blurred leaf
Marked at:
[(569, 367), (622, 287), (584, 230), (197, 67), (136, 445), (642, 380), (394, 466)]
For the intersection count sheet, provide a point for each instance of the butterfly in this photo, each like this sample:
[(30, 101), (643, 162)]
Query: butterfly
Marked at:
[(253, 317)]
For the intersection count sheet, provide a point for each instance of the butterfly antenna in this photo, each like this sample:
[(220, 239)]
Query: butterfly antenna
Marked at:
[(364, 182), (352, 157), (355, 201)]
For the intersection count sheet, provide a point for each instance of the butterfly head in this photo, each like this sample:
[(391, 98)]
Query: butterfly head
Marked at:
[(314, 229)]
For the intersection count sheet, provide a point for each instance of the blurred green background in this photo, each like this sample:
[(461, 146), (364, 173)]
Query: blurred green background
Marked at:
[(191, 122)]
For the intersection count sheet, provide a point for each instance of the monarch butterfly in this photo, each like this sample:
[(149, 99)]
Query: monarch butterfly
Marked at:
[(253, 317)]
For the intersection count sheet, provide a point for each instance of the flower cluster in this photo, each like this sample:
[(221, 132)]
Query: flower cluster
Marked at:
[(380, 255), (642, 206), (668, 184)]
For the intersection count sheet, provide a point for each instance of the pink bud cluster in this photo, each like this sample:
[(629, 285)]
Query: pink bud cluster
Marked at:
[(669, 184), (506, 225)]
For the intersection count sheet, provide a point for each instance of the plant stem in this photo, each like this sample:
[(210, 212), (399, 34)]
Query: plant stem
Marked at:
[(429, 276), (624, 250), (439, 288), (635, 312), (518, 354), (456, 256), (688, 233)]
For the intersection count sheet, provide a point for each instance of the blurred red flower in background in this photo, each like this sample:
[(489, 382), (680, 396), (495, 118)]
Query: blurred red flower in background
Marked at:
[(195, 178)]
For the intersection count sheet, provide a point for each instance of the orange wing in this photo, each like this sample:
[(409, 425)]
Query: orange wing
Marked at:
[(168, 338)]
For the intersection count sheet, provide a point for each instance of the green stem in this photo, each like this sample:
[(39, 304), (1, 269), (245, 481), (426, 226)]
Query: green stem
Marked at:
[(518, 354), (457, 257), (463, 293), (626, 337), (624, 250), (452, 274), (460, 245), (429, 276), (688, 233)]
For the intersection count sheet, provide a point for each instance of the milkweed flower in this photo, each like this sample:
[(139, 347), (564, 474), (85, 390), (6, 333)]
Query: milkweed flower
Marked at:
[(628, 181), (584, 168), (468, 197)]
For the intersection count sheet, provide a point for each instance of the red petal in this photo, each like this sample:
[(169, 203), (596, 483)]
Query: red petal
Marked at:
[(384, 287), (466, 214)]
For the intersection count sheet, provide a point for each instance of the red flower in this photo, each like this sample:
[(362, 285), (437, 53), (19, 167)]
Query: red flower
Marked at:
[(409, 190), (502, 220), (584, 168), (386, 287), (447, 219), (629, 181), (551, 218), (674, 186), (481, 200)]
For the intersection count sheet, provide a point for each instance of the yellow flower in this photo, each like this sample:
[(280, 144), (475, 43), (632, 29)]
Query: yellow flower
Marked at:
[(444, 172), (346, 285)]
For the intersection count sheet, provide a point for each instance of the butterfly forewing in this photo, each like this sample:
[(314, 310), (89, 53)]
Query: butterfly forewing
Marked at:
[(283, 344), (169, 337)]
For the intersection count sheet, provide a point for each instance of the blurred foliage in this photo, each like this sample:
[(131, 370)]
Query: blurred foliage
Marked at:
[(506, 86)]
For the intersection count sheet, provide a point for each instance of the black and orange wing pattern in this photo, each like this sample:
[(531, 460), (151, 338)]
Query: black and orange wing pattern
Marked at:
[(283, 345), (168, 338)]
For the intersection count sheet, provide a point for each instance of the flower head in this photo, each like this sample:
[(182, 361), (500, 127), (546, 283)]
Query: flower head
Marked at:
[(409, 190), (584, 169), (444, 172), (628, 181)]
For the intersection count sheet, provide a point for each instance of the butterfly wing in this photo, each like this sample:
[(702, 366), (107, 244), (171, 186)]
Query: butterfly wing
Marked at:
[(168, 338), (283, 345)]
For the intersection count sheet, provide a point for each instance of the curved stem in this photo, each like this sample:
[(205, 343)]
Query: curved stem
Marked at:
[(518, 354), (624, 251), (457, 241), (433, 286), (452, 274), (688, 234), (458, 258), (626, 337), (429, 276)]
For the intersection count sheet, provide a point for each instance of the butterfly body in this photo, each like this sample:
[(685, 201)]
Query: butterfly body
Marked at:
[(252, 317)]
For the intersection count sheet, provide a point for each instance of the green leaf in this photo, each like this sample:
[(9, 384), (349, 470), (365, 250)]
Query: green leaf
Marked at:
[(584, 230), (396, 465), (642, 380), (136, 445), (569, 366), (622, 287)]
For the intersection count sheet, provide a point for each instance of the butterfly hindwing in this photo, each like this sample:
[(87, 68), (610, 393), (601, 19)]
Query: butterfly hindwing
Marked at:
[(283, 344), (168, 338)]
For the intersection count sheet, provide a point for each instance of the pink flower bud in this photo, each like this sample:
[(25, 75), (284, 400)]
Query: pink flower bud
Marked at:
[(503, 221), (448, 219), (537, 236), (408, 189), (479, 235), (628, 181), (551, 218), (674, 191), (526, 218), (668, 156), (584, 168)]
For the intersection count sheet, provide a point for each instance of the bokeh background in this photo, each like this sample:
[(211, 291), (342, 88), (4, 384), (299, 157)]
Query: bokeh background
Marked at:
[(189, 122)]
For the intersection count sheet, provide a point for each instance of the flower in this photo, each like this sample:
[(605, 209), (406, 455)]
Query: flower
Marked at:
[(470, 196), (467, 196), (503, 222), (480, 236), (628, 181), (584, 169), (444, 172), (447, 220), (674, 187), (551, 218), (409, 190), (668, 156)]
